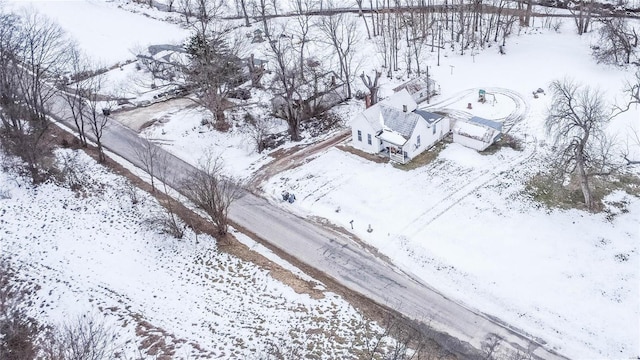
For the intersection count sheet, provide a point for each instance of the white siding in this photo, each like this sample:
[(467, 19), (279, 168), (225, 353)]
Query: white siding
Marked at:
[(469, 142), (361, 123), (427, 137)]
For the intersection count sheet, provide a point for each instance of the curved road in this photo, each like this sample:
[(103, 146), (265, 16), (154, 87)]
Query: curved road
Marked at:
[(339, 257)]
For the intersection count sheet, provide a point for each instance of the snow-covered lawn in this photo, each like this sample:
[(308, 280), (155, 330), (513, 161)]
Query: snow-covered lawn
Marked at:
[(105, 32), (96, 253), (464, 224)]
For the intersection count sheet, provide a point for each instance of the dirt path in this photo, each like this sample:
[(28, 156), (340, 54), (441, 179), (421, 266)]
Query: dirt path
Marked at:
[(286, 159)]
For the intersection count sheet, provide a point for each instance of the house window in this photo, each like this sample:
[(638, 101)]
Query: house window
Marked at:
[(434, 129), (359, 135), (369, 139), (418, 140)]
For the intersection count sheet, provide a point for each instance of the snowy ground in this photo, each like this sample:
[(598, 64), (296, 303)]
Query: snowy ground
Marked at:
[(96, 253), (463, 224), (106, 33)]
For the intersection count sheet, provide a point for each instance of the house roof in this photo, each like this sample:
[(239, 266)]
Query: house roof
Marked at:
[(416, 85), (395, 101), (486, 122), (428, 116), (154, 49), (394, 125), (398, 121)]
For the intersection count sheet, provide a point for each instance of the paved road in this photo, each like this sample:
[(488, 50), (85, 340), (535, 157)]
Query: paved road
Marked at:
[(339, 257)]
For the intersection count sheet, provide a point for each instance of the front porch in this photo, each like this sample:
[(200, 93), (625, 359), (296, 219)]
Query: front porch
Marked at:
[(392, 145), (395, 153)]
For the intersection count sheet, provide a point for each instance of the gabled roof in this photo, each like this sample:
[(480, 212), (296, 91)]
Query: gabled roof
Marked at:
[(401, 122), (395, 101)]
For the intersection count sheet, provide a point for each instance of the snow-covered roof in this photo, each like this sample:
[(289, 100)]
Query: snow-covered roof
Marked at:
[(400, 99), (401, 122), (486, 122), (396, 101), (155, 49), (478, 128), (392, 137), (428, 116), (416, 85), (394, 119)]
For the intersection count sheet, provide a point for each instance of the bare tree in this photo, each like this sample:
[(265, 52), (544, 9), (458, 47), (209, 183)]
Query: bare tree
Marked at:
[(287, 80), (490, 346), (633, 139), (582, 11), (75, 93), (372, 85), (97, 112), (242, 7), (256, 71), (151, 157), (34, 56), (212, 192), (361, 14), (155, 163), (10, 45), (342, 35), (85, 338), (618, 41), (18, 332), (301, 32), (575, 121), (258, 128)]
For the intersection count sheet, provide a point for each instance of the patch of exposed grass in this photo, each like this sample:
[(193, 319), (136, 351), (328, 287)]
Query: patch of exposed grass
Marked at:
[(426, 157), (506, 140), (549, 191), (371, 157)]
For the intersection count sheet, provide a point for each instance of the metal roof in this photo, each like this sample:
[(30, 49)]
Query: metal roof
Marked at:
[(401, 122), (428, 116), (489, 123)]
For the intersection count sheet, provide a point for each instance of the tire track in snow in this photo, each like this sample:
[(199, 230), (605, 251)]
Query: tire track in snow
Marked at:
[(486, 176), (517, 115), (456, 196)]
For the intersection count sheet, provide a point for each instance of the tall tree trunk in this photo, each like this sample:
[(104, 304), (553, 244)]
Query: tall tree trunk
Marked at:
[(584, 178)]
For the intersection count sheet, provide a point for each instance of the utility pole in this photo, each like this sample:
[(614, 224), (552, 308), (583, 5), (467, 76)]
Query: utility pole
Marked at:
[(439, 42)]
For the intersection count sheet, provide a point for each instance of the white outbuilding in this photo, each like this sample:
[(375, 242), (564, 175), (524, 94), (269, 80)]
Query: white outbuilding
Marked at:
[(476, 133)]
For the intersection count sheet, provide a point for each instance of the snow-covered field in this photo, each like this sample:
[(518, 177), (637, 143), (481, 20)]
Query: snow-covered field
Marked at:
[(462, 223), (105, 32), (97, 254)]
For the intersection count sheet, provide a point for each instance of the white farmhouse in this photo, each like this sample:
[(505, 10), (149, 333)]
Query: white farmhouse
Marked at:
[(396, 127), (476, 133)]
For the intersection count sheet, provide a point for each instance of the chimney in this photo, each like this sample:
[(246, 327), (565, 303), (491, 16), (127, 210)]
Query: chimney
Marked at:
[(404, 108)]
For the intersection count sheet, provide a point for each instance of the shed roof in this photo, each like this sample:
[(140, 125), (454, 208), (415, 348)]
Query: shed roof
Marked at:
[(486, 122), (478, 128)]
